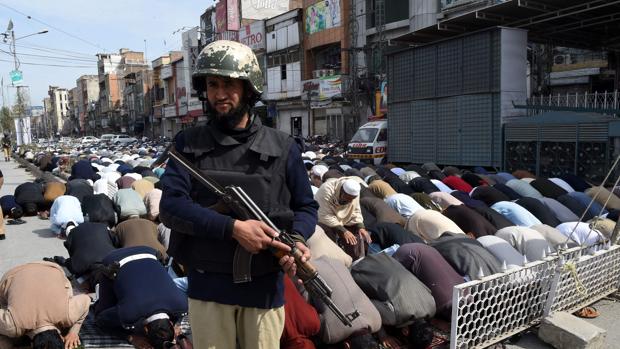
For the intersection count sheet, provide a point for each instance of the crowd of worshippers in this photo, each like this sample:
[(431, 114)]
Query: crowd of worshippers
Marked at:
[(385, 233)]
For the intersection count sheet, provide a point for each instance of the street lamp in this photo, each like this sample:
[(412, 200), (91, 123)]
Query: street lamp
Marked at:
[(25, 36), (17, 77), (11, 33)]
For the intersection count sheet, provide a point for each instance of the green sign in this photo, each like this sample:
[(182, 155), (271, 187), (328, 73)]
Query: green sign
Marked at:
[(16, 77)]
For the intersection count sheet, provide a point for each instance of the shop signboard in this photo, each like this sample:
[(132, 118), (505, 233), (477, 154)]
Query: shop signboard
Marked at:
[(253, 35), (263, 9), (322, 15), (323, 88)]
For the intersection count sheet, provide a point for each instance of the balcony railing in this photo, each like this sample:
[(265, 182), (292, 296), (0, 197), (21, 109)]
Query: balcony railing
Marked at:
[(600, 102)]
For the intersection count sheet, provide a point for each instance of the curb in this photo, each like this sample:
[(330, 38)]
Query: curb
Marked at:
[(46, 176)]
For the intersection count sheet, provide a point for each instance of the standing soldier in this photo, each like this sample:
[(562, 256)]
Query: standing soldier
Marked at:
[(234, 148), (6, 147)]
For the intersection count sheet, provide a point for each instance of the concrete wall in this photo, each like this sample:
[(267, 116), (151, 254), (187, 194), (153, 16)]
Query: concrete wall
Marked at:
[(422, 13), (513, 84), (283, 122)]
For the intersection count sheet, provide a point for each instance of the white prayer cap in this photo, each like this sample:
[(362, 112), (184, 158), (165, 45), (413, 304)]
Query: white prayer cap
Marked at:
[(351, 187), (319, 170)]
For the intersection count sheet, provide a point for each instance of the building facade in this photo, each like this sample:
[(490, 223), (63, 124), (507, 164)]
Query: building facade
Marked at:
[(58, 108), (157, 93), (284, 53), (326, 67), (88, 94), (190, 107), (112, 68), (168, 75)]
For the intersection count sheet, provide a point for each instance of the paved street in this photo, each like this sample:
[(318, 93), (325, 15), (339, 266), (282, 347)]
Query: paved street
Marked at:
[(25, 242), (33, 241)]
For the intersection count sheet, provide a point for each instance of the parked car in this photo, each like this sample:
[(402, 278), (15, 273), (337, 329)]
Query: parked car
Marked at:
[(123, 139), (89, 139), (107, 137)]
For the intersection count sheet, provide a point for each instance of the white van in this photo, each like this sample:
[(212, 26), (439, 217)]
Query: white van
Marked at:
[(369, 143)]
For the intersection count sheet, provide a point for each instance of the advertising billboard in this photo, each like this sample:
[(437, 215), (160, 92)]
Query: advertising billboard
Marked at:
[(322, 15), (232, 14), (263, 9), (253, 35), (220, 16), (208, 25)]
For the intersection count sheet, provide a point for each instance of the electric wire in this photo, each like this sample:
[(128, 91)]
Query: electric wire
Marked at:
[(50, 65), (53, 27), (51, 57)]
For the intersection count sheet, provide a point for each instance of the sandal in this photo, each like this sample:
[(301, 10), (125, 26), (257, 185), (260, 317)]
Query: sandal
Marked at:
[(587, 313)]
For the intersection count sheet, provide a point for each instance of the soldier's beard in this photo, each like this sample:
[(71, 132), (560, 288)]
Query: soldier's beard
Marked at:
[(230, 120)]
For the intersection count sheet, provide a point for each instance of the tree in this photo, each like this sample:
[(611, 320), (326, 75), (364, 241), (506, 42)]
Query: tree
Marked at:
[(6, 121)]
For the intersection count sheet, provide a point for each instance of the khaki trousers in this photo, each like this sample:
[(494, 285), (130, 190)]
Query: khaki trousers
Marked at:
[(220, 326)]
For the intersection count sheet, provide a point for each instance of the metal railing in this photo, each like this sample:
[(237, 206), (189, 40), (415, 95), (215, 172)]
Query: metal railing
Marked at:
[(601, 102), (487, 311)]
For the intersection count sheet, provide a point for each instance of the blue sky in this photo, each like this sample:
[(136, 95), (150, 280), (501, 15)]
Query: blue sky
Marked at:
[(79, 29)]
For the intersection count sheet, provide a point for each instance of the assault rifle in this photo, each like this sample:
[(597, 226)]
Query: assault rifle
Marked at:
[(244, 208)]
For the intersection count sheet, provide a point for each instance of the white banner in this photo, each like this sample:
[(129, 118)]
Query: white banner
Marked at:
[(263, 9)]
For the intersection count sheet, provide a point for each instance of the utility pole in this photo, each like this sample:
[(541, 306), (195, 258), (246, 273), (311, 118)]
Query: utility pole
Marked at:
[(21, 101)]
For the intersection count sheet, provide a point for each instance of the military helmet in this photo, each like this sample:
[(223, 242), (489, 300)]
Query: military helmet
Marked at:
[(229, 59)]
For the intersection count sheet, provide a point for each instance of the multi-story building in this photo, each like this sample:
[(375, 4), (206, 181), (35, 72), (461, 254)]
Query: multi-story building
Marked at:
[(251, 11), (71, 126), (128, 110), (109, 97), (207, 27), (88, 94), (168, 75), (136, 102), (326, 67), (284, 62), (143, 105), (372, 38), (111, 70), (190, 107), (43, 127), (36, 120), (157, 94), (59, 108)]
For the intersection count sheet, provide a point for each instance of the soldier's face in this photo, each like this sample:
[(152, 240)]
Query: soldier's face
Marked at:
[(224, 94)]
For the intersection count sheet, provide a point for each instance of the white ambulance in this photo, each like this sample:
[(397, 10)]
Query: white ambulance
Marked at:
[(369, 143)]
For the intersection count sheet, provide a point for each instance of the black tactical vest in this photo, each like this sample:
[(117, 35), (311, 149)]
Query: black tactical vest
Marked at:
[(258, 166)]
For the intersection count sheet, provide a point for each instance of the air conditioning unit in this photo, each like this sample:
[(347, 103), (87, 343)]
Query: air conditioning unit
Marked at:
[(562, 59), (331, 72), (324, 72), (316, 74)]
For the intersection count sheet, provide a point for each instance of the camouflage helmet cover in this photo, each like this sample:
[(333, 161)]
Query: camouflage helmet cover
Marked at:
[(228, 59)]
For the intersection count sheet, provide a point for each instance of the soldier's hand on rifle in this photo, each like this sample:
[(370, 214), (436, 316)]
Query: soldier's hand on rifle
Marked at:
[(255, 236), (288, 262)]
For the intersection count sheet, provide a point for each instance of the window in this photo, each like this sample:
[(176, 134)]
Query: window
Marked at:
[(382, 135), (283, 72), (365, 135)]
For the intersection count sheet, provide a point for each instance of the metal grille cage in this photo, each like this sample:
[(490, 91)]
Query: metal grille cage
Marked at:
[(596, 276), (487, 311)]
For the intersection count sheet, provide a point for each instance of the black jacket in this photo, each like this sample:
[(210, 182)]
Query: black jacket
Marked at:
[(99, 208), (88, 244)]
